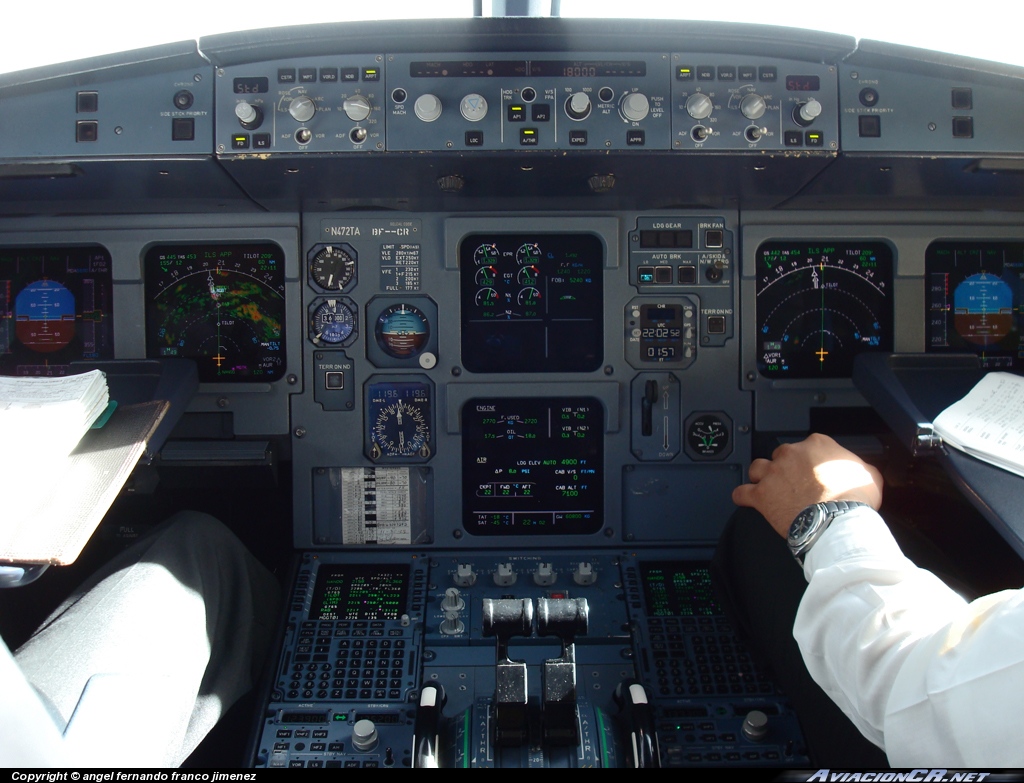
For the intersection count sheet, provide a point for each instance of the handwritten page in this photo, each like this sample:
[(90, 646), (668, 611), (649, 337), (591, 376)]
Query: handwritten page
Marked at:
[(988, 423)]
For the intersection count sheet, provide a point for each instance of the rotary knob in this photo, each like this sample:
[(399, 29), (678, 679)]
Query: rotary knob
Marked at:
[(357, 108), (427, 107), (806, 113), (251, 117), (634, 106), (302, 108), (577, 107), (364, 735), (753, 106), (473, 107), (699, 106)]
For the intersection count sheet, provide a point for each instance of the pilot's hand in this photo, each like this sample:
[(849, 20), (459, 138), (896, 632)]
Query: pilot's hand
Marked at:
[(799, 474)]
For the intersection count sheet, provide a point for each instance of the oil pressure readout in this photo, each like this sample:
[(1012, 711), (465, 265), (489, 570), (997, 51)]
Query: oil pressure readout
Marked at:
[(819, 304)]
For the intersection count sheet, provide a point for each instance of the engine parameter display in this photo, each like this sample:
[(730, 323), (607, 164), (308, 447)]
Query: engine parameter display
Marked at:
[(819, 304), (56, 307), (533, 466), (220, 304), (973, 300), (532, 303)]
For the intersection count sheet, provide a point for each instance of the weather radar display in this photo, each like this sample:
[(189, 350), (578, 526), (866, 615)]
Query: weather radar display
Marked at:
[(222, 305)]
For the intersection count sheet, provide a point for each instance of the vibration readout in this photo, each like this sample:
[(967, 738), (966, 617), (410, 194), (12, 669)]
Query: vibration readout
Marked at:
[(533, 466), (360, 592)]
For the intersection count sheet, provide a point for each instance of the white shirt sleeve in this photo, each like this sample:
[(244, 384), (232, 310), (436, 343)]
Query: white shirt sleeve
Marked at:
[(928, 677)]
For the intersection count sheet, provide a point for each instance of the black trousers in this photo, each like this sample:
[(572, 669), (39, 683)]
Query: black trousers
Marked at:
[(760, 586)]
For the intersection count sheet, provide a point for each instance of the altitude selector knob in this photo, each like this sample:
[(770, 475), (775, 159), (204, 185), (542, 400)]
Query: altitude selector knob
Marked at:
[(699, 106), (578, 106), (753, 106), (634, 106), (357, 108)]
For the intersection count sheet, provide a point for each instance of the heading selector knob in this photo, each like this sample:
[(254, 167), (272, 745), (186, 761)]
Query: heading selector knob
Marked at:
[(577, 107), (634, 106), (473, 107), (806, 113), (427, 107), (357, 108), (699, 106), (302, 108), (753, 106)]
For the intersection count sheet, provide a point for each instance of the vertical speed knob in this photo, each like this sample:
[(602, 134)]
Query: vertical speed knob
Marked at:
[(577, 107), (427, 107), (634, 106), (752, 106), (699, 106), (357, 108), (302, 108)]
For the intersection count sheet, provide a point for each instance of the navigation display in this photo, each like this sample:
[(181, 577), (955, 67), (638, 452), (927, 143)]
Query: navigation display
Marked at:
[(220, 304), (973, 300), (56, 307), (819, 304), (533, 466), (532, 303)]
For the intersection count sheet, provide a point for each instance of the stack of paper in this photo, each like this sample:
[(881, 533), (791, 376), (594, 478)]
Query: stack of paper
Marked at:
[(45, 418), (989, 422)]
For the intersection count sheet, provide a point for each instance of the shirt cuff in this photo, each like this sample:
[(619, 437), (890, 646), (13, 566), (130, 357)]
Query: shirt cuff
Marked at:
[(855, 534)]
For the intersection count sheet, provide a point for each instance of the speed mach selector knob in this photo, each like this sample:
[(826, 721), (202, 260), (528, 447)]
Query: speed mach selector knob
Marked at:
[(577, 107), (699, 106), (427, 107), (357, 108), (634, 106), (806, 113), (752, 106), (302, 108)]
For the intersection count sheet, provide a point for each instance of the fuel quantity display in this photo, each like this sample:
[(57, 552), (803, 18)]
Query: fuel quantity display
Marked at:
[(533, 466), (222, 305), (819, 304), (974, 292)]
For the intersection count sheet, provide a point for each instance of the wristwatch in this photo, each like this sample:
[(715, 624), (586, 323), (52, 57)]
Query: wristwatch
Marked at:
[(813, 521)]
